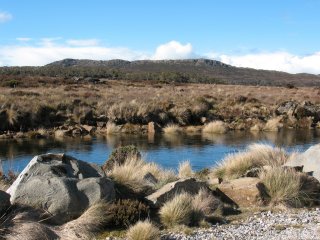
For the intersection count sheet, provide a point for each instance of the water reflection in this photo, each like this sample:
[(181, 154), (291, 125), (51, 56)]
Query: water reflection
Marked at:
[(202, 150)]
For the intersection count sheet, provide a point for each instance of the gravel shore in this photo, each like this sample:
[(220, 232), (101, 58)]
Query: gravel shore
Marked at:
[(302, 224)]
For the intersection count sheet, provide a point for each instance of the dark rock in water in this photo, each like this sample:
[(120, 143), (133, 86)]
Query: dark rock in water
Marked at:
[(61, 185), (287, 107), (119, 156), (169, 190), (4, 201), (307, 109)]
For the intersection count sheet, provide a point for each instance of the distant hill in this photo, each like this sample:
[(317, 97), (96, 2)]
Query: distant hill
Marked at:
[(199, 67), (183, 71)]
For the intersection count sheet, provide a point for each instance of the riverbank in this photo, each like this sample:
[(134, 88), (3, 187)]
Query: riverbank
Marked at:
[(131, 106), (235, 199)]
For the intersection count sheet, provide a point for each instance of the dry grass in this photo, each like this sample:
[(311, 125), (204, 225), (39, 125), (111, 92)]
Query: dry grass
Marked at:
[(87, 224), (256, 156), (132, 172), (26, 223), (143, 231), (172, 129), (188, 210), (112, 128), (273, 125), (218, 127), (204, 203), (177, 211), (185, 170), (283, 186), (32, 231)]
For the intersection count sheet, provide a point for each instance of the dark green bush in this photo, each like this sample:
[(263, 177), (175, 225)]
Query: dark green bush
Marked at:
[(120, 154), (126, 212)]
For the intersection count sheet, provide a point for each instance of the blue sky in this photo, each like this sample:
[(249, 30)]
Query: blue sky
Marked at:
[(281, 35)]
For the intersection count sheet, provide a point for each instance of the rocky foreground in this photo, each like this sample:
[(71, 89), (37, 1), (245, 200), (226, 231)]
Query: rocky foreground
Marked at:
[(303, 224)]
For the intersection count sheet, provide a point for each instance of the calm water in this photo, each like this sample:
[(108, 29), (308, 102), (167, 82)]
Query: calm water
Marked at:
[(202, 150)]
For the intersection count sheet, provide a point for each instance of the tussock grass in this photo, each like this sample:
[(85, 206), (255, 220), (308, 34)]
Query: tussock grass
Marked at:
[(132, 172), (87, 224), (273, 125), (188, 210), (172, 129), (185, 170), (112, 128), (255, 156), (143, 231), (217, 127), (32, 231), (283, 186), (177, 211), (204, 203)]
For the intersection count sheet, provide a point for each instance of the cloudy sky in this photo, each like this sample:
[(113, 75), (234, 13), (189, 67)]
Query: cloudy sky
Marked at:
[(266, 34)]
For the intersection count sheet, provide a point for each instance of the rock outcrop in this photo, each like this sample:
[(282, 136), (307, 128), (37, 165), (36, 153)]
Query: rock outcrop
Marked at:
[(169, 190), (61, 185)]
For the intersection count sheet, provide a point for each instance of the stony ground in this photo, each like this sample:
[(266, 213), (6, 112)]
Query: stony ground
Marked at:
[(302, 224)]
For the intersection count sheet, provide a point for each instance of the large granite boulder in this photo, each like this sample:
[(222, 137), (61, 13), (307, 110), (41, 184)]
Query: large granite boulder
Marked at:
[(310, 160), (61, 185), (169, 190)]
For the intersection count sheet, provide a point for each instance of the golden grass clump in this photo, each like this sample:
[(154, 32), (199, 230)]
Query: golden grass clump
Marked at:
[(273, 125), (204, 203), (112, 128), (185, 170), (131, 174), (256, 156), (172, 129), (90, 222), (177, 211), (217, 127), (283, 186), (143, 231), (188, 210)]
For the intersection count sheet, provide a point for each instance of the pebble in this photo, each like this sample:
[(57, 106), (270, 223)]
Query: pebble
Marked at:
[(303, 225)]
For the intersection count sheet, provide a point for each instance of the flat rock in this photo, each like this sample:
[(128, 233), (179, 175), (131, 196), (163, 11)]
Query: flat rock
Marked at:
[(244, 192), (169, 190)]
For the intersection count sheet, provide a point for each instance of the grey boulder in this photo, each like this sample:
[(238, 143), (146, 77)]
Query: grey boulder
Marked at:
[(63, 186), (169, 190), (310, 160)]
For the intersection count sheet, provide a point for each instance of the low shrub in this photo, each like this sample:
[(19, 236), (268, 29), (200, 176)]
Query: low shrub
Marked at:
[(143, 231), (126, 212)]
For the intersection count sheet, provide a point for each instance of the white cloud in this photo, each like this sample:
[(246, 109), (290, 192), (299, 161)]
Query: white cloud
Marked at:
[(83, 42), (4, 17), (46, 50), (38, 56), (173, 50), (279, 61), (23, 39)]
